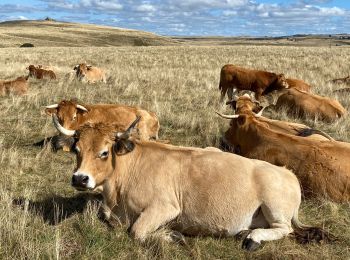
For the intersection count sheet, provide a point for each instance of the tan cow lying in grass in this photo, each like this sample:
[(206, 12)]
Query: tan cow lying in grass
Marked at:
[(194, 191), (18, 86), (73, 115), (302, 104), (258, 81), (322, 166), (90, 74)]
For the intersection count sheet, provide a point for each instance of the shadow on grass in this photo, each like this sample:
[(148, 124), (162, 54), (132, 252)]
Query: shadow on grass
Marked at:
[(56, 209)]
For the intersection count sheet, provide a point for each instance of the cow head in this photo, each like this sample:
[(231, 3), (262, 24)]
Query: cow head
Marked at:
[(242, 133), (244, 104), (96, 147), (68, 113), (81, 70), (31, 69), (281, 81)]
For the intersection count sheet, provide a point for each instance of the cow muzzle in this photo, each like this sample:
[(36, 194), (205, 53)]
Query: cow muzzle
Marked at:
[(82, 181)]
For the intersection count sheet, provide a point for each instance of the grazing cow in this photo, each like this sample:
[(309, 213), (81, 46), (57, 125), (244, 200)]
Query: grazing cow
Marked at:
[(89, 73), (72, 115), (246, 105), (298, 84), (194, 191), (322, 167), (258, 81), (304, 104), (18, 86), (39, 73)]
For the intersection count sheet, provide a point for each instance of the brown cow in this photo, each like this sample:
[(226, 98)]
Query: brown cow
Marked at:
[(298, 84), (39, 73), (18, 86), (89, 73), (72, 115), (258, 81), (302, 104), (323, 167), (194, 191), (247, 106)]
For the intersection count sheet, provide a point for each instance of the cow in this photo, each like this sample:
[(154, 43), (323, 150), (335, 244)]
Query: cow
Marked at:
[(72, 115), (302, 104), (147, 185), (258, 81), (90, 74), (18, 86), (322, 166), (39, 73), (298, 84), (247, 105)]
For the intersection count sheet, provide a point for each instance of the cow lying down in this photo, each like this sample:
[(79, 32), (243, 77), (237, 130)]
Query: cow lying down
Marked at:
[(321, 165), (196, 191)]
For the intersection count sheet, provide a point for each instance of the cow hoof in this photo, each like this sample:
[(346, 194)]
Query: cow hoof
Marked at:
[(249, 244)]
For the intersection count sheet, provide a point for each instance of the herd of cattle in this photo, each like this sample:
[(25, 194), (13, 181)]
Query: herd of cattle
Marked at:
[(257, 186)]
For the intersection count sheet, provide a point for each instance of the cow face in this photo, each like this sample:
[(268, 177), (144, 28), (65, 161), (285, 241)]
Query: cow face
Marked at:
[(81, 70), (68, 113), (96, 147), (282, 81), (31, 69), (245, 104), (95, 156), (241, 134)]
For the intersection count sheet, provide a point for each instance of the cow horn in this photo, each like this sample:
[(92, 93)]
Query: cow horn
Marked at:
[(126, 134), (60, 128), (82, 108), (52, 106), (260, 112), (227, 116)]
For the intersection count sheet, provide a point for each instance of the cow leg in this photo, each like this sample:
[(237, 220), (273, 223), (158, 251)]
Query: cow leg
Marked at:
[(151, 219), (223, 93), (230, 93), (280, 226), (258, 94)]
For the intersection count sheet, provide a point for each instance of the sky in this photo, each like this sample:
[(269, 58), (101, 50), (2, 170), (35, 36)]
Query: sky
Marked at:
[(193, 17)]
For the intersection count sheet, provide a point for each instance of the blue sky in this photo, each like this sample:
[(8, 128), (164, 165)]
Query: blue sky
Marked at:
[(193, 17)]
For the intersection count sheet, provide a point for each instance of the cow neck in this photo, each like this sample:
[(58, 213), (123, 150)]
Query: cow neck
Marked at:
[(125, 169)]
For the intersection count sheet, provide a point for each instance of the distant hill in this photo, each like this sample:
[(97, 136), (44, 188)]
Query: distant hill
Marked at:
[(60, 34), (292, 40)]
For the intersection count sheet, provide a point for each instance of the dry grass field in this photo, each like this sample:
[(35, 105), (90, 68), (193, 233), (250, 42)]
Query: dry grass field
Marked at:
[(42, 216)]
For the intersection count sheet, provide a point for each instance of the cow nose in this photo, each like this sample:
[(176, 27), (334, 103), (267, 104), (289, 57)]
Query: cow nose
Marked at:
[(80, 181)]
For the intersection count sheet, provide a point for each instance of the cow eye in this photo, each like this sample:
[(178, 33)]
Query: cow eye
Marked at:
[(103, 154), (74, 117)]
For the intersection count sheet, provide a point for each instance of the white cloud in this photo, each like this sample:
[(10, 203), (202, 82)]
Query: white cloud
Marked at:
[(196, 17), (145, 8)]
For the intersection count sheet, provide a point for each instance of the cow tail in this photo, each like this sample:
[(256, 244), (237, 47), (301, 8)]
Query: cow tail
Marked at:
[(305, 234)]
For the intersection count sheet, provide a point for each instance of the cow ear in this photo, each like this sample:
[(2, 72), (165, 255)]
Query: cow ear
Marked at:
[(241, 120), (123, 146), (50, 111)]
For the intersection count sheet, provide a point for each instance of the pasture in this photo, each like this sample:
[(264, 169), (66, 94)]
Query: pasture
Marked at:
[(42, 216)]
